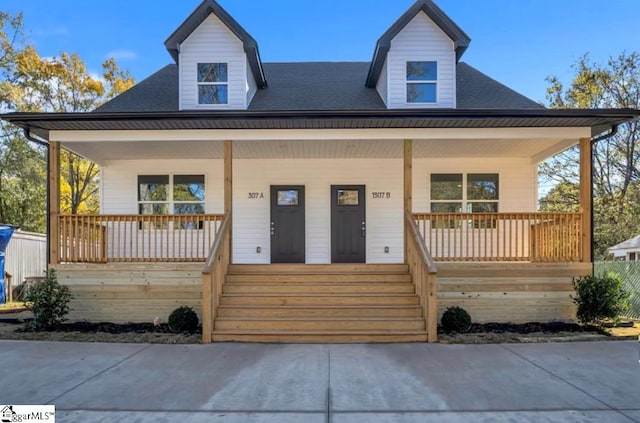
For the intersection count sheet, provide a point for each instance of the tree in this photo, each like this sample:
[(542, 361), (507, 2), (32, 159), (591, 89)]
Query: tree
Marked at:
[(615, 84), (29, 83)]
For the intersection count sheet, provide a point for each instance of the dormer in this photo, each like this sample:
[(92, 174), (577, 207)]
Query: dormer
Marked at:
[(414, 63), (219, 64)]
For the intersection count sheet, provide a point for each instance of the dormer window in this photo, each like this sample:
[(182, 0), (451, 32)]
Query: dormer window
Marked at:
[(212, 83), (422, 82)]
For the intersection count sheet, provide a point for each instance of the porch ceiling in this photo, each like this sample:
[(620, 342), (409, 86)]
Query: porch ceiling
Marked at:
[(536, 149), (100, 152)]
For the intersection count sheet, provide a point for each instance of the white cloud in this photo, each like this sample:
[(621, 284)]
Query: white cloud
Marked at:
[(122, 54), (51, 31)]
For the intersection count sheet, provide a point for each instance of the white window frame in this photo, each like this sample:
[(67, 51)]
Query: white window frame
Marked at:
[(204, 83), (421, 81), (170, 201), (464, 201)]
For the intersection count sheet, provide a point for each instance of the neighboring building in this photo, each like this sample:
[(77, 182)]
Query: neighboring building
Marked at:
[(26, 256), (628, 250), (319, 195)]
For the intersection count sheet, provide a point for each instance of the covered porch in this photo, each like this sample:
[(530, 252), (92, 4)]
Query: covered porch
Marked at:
[(497, 255), (397, 208)]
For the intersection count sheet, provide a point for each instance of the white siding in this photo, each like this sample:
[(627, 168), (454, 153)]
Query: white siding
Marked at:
[(518, 180), (421, 40), (120, 182), (383, 83), (251, 217), (252, 87), (212, 42)]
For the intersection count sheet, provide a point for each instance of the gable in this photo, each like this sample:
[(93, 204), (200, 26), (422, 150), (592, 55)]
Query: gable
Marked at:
[(436, 15), (202, 12)]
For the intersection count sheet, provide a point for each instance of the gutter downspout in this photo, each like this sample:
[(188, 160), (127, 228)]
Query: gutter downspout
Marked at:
[(45, 144), (612, 132)]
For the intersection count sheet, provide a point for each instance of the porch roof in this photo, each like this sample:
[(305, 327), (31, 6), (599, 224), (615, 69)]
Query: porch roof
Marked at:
[(599, 120)]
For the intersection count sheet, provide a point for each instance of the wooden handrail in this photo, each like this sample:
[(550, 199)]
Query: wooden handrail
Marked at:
[(135, 238), (528, 236), (213, 274), (424, 276)]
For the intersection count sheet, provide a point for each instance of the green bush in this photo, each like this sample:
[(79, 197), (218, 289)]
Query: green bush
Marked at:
[(48, 301), (456, 319), (183, 319), (599, 297)]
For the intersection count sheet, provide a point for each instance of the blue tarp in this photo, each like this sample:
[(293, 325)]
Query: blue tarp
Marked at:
[(5, 235)]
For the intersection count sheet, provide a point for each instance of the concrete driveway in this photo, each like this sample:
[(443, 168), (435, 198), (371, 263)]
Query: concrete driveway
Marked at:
[(575, 382)]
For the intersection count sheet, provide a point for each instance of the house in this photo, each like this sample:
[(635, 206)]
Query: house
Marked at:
[(628, 250), (320, 202)]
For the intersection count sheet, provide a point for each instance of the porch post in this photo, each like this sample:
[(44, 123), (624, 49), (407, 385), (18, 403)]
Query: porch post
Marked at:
[(586, 197), (408, 188), (54, 202), (228, 187)]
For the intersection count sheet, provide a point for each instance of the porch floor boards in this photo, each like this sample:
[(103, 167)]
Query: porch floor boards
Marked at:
[(339, 303)]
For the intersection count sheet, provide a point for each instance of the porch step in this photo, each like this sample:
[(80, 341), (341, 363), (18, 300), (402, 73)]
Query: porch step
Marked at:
[(319, 311), (318, 288), (317, 268), (322, 337), (365, 277), (320, 324), (319, 303), (319, 299)]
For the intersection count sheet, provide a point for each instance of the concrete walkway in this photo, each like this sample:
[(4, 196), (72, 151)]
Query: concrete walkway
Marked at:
[(575, 382)]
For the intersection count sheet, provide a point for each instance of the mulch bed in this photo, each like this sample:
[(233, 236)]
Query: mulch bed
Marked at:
[(533, 327), (106, 327)]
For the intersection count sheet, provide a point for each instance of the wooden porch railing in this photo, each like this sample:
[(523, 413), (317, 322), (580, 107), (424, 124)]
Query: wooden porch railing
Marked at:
[(536, 237), (213, 275), (424, 275), (136, 238)]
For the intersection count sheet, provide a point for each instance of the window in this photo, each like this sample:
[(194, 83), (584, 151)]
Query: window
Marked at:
[(348, 197), (422, 82), (632, 257), (172, 194), (465, 193), (212, 83), (288, 197)]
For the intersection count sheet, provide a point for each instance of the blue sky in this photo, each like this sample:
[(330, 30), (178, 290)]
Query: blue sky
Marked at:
[(518, 42)]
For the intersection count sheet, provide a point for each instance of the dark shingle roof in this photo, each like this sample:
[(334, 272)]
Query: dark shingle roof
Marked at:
[(317, 86), (475, 90), (157, 93)]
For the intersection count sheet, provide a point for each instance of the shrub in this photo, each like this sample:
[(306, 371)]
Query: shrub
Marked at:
[(456, 319), (183, 319), (599, 297), (48, 301)]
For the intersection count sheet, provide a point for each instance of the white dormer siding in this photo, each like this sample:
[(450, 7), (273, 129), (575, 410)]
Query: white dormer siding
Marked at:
[(420, 40), (383, 82), (251, 87), (213, 42)]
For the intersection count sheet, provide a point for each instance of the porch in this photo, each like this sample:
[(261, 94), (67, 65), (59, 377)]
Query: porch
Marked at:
[(222, 242)]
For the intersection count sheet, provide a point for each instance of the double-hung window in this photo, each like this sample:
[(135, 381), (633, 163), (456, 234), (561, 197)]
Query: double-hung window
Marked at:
[(172, 194), (465, 193), (422, 82), (213, 85)]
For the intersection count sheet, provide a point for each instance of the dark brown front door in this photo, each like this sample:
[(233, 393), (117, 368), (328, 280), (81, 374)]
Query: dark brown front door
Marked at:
[(348, 224), (287, 224)]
